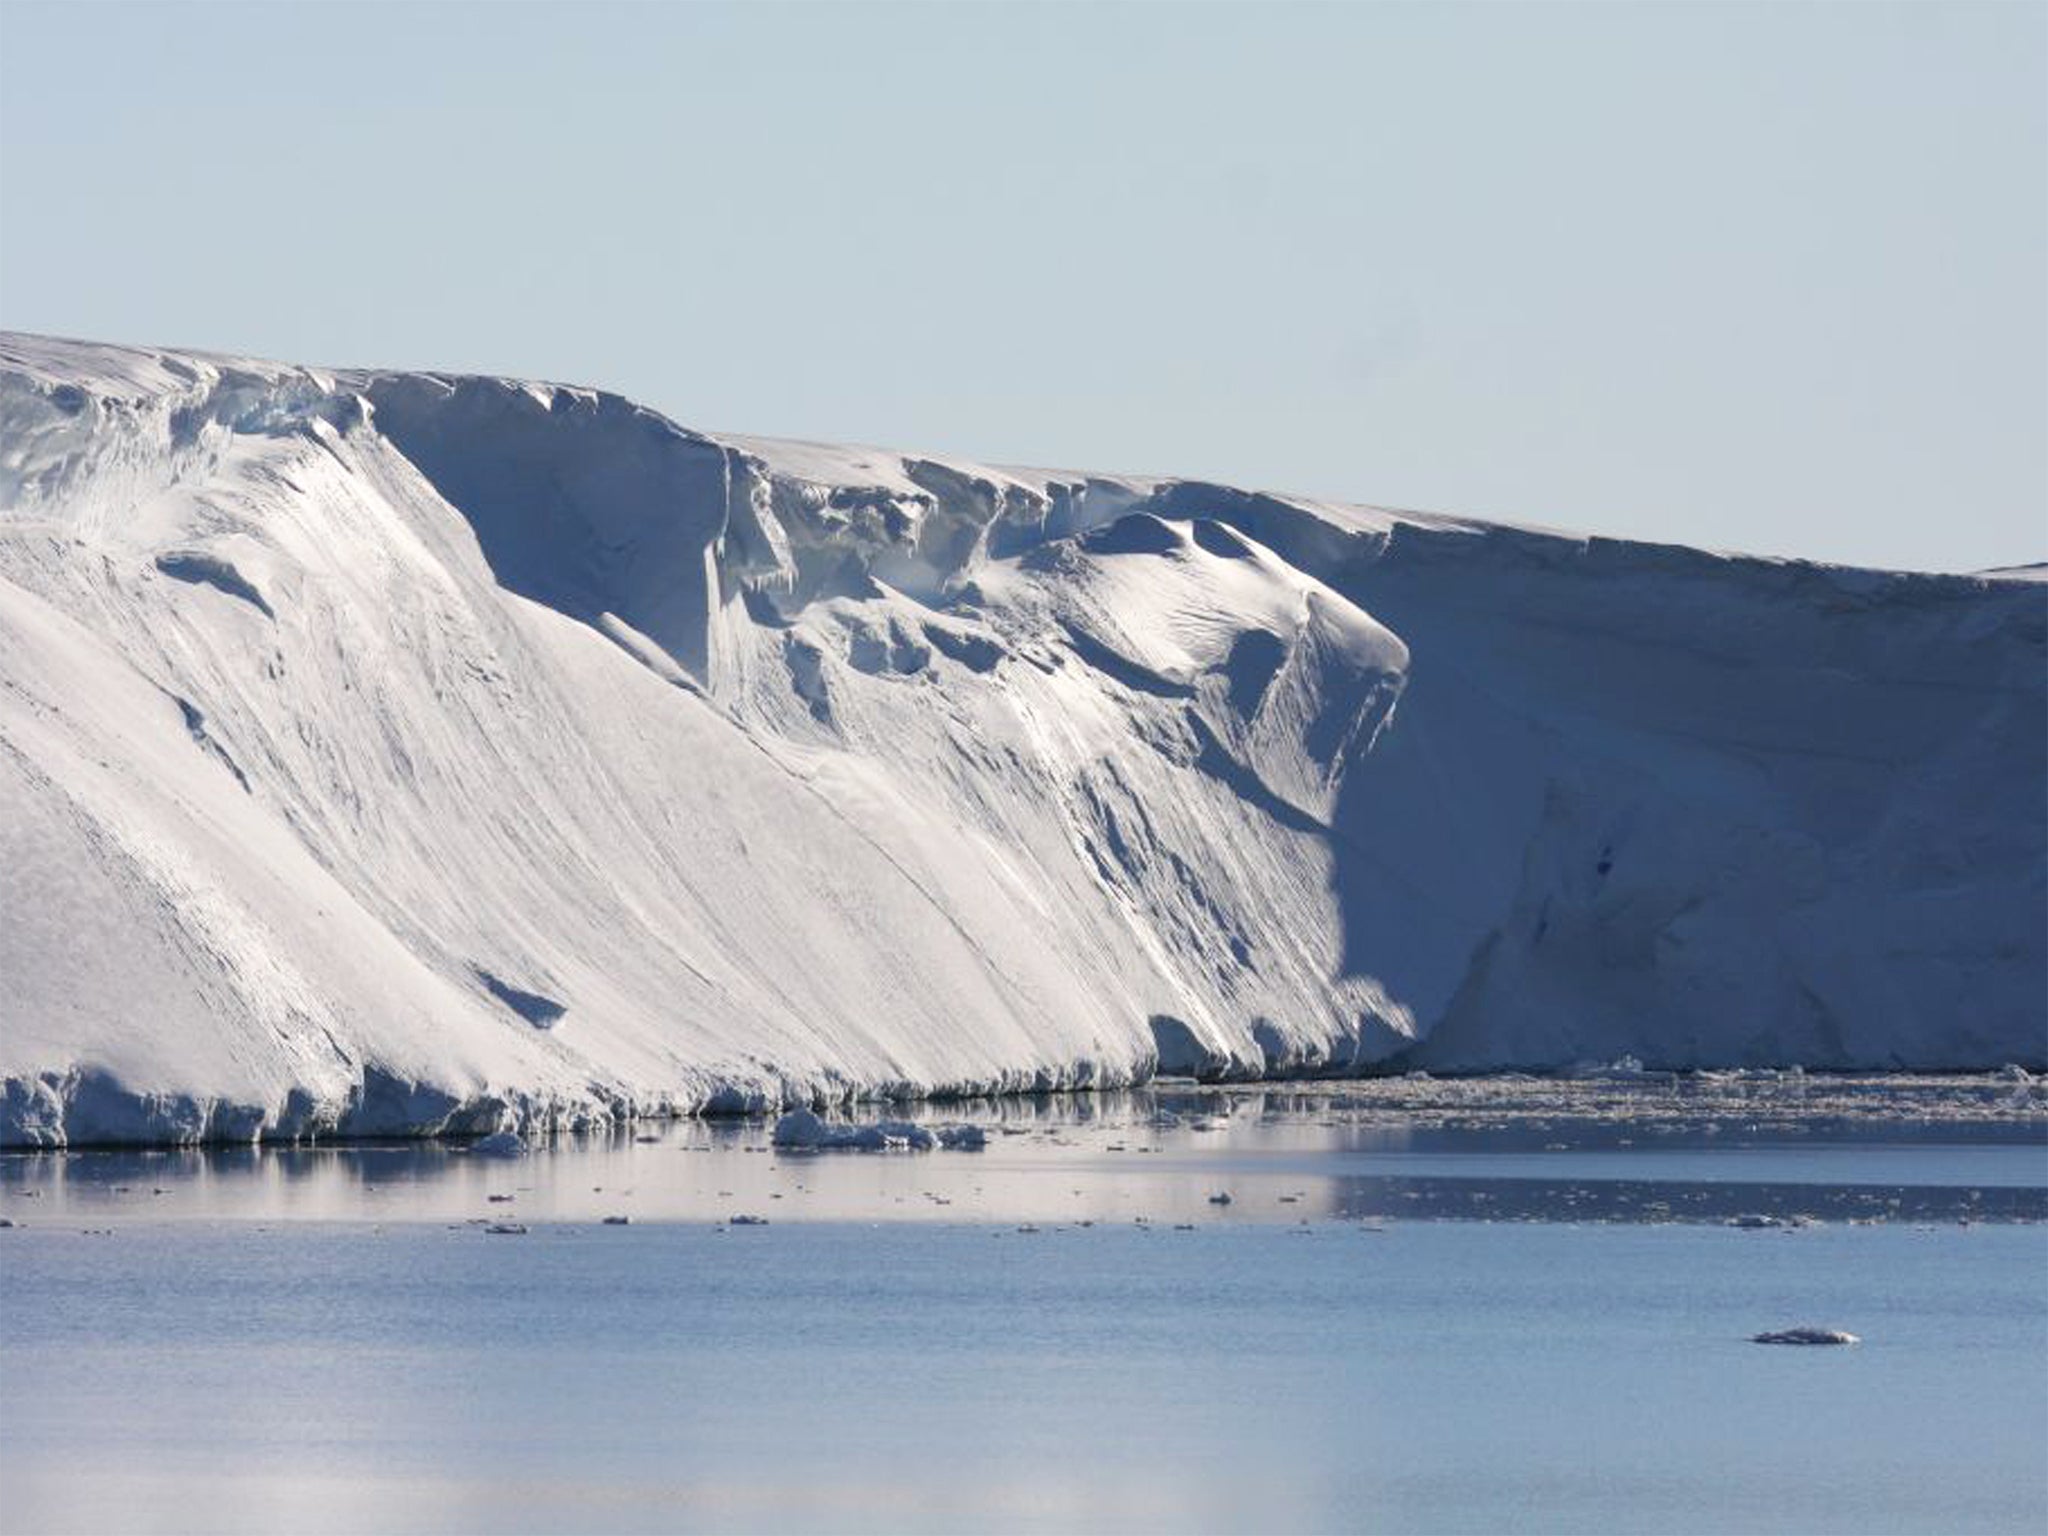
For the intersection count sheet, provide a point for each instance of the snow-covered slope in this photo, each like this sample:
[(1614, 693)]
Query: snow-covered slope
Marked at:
[(403, 753)]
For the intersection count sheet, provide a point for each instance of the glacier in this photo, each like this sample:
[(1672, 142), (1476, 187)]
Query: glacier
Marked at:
[(412, 754)]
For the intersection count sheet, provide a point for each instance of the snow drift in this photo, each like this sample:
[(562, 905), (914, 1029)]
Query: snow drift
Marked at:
[(396, 753)]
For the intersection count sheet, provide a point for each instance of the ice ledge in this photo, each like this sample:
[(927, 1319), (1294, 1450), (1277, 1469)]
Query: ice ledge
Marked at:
[(90, 1107)]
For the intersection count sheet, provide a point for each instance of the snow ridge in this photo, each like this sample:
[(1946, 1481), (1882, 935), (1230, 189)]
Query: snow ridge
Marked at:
[(418, 754)]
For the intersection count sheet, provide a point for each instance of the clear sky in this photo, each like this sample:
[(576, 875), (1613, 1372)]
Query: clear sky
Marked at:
[(1765, 277)]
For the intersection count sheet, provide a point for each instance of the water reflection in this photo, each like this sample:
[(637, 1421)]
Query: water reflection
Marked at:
[(1778, 1146), (1441, 1375)]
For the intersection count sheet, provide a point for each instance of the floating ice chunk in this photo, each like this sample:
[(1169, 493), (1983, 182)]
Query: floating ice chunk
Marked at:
[(504, 1144), (800, 1129), (1624, 1066), (1805, 1335)]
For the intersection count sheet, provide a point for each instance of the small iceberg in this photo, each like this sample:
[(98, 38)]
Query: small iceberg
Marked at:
[(801, 1130), (1805, 1336), (504, 1144), (1624, 1068)]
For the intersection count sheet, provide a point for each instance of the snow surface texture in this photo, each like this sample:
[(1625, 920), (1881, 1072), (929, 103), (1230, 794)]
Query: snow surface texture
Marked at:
[(395, 753)]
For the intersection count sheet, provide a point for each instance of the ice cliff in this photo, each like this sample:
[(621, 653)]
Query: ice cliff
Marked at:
[(398, 753)]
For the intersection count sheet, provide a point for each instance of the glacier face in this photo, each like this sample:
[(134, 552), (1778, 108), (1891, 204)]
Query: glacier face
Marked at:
[(397, 753)]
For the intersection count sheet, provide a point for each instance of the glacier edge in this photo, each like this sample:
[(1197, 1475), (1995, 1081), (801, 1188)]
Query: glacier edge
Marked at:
[(426, 754)]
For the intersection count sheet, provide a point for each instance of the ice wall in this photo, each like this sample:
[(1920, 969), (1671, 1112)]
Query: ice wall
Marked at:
[(407, 753)]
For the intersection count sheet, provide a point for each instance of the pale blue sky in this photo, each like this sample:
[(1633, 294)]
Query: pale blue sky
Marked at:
[(1749, 276)]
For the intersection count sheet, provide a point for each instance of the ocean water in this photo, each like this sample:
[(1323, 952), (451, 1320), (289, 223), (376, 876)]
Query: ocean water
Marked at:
[(1048, 1335)]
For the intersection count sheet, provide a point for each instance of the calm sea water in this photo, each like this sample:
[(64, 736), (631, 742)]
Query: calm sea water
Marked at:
[(332, 1341)]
